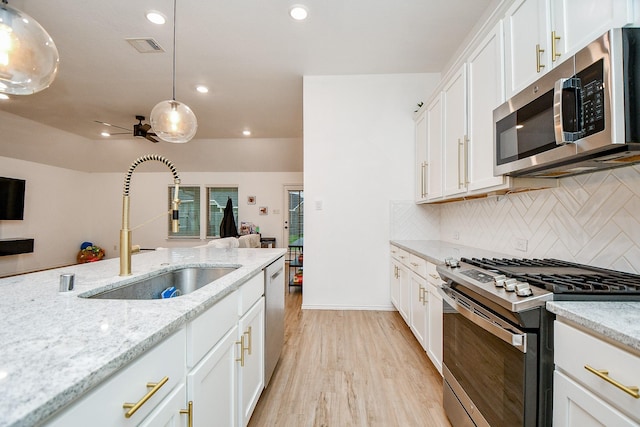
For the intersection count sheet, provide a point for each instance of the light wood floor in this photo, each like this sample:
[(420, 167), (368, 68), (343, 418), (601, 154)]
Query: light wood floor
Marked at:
[(350, 368)]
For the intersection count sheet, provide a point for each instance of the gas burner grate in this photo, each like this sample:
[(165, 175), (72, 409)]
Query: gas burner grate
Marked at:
[(560, 276)]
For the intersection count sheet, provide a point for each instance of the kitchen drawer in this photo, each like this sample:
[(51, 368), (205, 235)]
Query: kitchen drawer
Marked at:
[(250, 292), (103, 405), (208, 328), (418, 265), (400, 254), (432, 274), (575, 349)]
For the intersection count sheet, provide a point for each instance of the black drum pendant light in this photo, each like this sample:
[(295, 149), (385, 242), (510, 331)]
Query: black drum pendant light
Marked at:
[(173, 121), (28, 57)]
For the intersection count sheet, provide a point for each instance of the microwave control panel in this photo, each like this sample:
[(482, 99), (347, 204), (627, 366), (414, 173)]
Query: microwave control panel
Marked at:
[(592, 98)]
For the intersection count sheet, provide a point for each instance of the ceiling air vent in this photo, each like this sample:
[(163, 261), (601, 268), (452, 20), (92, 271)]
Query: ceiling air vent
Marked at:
[(145, 45)]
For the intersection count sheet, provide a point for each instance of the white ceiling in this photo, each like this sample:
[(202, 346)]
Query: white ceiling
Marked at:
[(250, 53)]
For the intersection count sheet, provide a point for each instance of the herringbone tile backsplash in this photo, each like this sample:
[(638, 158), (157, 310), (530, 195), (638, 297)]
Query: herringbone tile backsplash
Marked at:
[(591, 219)]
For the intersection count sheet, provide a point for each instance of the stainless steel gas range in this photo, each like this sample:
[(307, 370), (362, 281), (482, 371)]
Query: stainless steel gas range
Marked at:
[(498, 336)]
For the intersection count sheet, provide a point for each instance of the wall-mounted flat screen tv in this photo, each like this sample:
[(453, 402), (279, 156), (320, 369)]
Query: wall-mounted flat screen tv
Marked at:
[(12, 198)]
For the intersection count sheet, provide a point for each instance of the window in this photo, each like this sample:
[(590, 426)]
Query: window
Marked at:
[(216, 201), (189, 212)]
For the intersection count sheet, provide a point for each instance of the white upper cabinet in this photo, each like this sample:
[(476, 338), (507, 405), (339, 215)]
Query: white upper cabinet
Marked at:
[(542, 33), (486, 92), (421, 156), (454, 101), (434, 149), (526, 26), (578, 22)]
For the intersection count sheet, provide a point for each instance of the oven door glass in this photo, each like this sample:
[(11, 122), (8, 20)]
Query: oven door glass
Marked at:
[(491, 371)]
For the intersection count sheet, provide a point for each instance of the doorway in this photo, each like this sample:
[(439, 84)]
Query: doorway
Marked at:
[(293, 235)]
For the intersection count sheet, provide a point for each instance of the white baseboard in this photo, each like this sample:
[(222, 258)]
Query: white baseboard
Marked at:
[(348, 307)]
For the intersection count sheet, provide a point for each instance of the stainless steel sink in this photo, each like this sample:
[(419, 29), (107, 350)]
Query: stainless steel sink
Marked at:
[(184, 280)]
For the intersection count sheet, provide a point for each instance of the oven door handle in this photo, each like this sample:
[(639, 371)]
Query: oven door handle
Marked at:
[(484, 319)]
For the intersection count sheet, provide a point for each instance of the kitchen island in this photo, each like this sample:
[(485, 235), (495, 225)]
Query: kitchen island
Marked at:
[(57, 346)]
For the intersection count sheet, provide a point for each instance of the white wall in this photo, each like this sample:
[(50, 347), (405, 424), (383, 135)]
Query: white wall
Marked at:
[(358, 152), (57, 215)]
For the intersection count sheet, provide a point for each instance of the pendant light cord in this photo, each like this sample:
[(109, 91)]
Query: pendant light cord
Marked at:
[(174, 49)]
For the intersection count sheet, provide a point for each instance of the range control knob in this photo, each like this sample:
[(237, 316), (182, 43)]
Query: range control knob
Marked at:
[(452, 262), (510, 285), (499, 280), (523, 289)]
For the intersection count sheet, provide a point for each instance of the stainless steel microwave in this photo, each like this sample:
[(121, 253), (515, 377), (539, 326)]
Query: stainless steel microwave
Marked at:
[(581, 116)]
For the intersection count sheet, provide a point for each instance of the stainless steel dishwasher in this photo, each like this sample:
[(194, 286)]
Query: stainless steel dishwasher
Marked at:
[(274, 316)]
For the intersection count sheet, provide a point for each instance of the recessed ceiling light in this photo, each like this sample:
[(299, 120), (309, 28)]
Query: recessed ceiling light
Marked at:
[(298, 12), (202, 89), (246, 132), (4, 96), (156, 17), (105, 134)]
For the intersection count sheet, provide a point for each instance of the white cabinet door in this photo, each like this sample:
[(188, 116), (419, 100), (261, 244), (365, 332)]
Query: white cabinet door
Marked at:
[(434, 334), (434, 149), (403, 283), (421, 157), (251, 369), (419, 301), (395, 284), (576, 406), (211, 384), (486, 92), (578, 22), (455, 140), (526, 26)]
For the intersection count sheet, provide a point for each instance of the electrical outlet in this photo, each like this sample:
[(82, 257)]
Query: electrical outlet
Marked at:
[(521, 244), (455, 235)]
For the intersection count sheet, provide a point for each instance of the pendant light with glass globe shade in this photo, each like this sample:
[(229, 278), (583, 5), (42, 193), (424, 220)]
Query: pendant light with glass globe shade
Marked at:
[(173, 121), (28, 56)]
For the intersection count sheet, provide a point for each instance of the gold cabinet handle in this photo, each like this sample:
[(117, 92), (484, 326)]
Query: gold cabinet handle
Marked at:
[(465, 148), (420, 294), (554, 50), (189, 413), (604, 374), (248, 334), (435, 276), (415, 264), (133, 407), (539, 64), (459, 168), (241, 359)]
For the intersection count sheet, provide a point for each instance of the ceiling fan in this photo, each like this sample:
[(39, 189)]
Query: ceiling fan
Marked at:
[(139, 130)]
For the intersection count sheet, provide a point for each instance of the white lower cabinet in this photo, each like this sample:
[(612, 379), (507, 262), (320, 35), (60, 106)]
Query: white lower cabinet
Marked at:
[(594, 381), (251, 366), (210, 372), (400, 292), (141, 386), (414, 292), (419, 301), (211, 385), (434, 323), (575, 406)]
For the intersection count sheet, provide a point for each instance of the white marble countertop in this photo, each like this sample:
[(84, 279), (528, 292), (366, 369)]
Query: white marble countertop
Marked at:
[(436, 251), (618, 321), (56, 346)]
